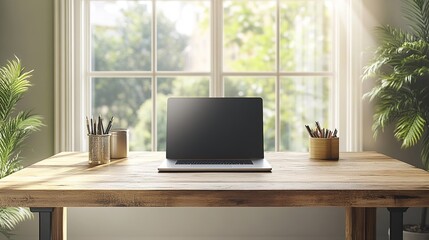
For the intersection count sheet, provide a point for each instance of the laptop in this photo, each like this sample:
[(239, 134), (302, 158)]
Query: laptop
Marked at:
[(214, 134)]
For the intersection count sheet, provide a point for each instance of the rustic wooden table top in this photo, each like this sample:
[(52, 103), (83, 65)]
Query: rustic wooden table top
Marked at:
[(361, 179)]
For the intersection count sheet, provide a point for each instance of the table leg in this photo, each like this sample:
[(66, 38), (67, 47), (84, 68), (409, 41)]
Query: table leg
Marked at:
[(59, 223), (396, 222), (360, 223), (45, 219), (52, 223)]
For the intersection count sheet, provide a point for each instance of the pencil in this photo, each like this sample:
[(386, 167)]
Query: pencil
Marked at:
[(87, 125), (99, 126), (309, 130), (92, 126), (318, 128), (102, 127), (109, 125), (316, 133), (95, 127)]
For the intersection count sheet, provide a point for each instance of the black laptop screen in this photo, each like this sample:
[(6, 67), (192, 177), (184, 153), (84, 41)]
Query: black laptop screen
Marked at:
[(215, 128)]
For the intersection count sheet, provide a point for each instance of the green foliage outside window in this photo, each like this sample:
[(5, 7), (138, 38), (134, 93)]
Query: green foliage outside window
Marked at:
[(249, 46)]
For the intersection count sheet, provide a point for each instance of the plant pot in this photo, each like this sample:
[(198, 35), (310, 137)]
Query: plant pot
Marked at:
[(410, 232)]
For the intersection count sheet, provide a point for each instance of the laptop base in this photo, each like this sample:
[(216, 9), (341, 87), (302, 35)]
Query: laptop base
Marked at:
[(260, 165)]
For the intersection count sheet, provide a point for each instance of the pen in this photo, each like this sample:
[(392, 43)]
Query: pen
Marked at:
[(99, 126), (102, 127), (109, 125), (318, 128), (309, 130), (87, 125), (335, 133), (316, 133), (92, 129), (95, 128)]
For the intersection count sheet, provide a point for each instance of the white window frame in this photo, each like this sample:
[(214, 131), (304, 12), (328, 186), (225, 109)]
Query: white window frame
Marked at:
[(72, 73)]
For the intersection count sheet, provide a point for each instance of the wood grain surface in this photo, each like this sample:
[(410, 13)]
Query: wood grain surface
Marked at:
[(365, 179)]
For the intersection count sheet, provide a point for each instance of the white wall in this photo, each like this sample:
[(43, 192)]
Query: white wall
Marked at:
[(26, 29)]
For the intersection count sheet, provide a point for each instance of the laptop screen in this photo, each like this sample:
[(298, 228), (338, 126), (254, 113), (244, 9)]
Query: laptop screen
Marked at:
[(215, 128)]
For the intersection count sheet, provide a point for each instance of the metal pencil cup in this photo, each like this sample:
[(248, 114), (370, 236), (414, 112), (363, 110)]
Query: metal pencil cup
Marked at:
[(324, 148), (119, 143), (99, 149)]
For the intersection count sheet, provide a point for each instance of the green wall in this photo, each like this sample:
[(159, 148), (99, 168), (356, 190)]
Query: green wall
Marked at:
[(27, 31)]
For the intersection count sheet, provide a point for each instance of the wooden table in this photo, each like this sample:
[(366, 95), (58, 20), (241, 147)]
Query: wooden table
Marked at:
[(360, 182)]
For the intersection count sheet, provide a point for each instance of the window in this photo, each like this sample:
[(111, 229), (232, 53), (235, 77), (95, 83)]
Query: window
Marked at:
[(134, 54)]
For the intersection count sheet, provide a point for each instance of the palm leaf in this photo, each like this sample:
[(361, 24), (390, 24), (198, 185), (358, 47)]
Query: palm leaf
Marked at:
[(14, 129), (13, 83), (388, 54), (9, 217), (13, 132), (417, 14), (391, 37), (409, 128)]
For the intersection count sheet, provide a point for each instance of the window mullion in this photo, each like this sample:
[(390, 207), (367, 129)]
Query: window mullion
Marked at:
[(86, 66), (277, 85), (154, 80), (217, 52)]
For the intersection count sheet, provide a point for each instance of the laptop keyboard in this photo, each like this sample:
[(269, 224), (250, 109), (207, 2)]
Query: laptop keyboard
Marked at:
[(214, 162)]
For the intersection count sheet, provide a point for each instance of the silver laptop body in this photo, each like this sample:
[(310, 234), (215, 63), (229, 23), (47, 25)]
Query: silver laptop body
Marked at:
[(214, 134)]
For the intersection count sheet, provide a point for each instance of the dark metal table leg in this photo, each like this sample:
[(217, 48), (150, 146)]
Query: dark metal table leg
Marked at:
[(45, 222), (396, 222)]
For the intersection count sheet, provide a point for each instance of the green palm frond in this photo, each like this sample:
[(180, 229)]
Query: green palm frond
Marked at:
[(13, 83), (388, 54), (9, 217), (10, 166), (391, 104), (400, 69), (13, 131), (409, 128), (417, 14), (15, 127), (391, 38)]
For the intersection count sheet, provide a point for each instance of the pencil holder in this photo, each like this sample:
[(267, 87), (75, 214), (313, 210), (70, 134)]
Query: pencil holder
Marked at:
[(99, 149), (324, 148), (119, 143)]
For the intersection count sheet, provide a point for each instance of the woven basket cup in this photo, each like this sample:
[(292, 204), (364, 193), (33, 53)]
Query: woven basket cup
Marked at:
[(324, 148), (99, 149)]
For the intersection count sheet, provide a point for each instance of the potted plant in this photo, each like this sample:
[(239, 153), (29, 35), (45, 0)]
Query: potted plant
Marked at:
[(15, 127), (401, 91)]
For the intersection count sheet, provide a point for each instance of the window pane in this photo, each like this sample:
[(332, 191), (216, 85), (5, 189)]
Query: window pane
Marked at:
[(303, 100), (183, 35), (129, 101), (121, 35), (306, 31), (176, 87), (257, 87), (249, 33)]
